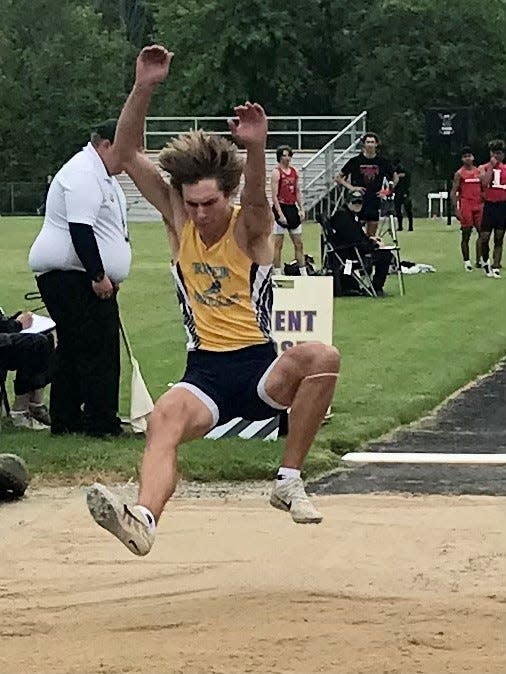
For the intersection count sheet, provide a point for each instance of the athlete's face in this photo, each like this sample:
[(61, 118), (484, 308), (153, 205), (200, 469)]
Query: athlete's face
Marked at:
[(498, 155), (286, 158), (468, 160), (206, 204), (370, 145)]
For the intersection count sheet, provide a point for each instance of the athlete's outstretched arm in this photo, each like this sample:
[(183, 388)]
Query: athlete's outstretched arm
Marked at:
[(250, 129), (152, 68)]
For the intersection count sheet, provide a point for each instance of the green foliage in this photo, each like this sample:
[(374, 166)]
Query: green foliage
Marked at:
[(58, 77)]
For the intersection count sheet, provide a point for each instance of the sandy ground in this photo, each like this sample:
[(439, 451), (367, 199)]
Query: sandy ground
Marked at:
[(386, 584)]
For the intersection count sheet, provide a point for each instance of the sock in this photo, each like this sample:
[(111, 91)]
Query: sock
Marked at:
[(149, 516), (303, 271), (277, 271), (287, 473)]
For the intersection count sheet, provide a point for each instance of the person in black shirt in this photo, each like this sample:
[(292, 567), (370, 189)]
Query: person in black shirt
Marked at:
[(366, 173), (402, 195), (344, 229)]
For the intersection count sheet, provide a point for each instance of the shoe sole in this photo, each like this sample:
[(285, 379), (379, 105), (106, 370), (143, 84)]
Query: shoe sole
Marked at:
[(278, 503), (104, 512), (13, 475)]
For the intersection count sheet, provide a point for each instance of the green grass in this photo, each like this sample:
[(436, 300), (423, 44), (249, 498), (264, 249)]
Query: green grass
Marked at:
[(400, 356)]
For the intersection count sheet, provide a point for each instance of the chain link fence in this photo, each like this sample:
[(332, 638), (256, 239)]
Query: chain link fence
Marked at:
[(22, 198)]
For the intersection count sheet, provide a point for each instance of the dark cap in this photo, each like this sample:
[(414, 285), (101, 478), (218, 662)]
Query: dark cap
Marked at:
[(355, 197), (106, 130)]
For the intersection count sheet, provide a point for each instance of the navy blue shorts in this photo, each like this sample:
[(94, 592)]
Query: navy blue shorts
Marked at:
[(229, 382)]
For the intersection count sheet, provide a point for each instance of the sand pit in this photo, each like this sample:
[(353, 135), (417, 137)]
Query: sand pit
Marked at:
[(386, 584)]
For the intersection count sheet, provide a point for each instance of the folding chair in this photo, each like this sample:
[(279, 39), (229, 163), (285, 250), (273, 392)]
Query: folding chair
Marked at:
[(350, 268)]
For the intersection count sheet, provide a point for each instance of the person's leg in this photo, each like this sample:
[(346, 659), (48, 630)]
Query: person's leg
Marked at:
[(381, 260), (485, 250), (278, 247), (59, 294), (179, 415), (99, 364), (304, 379), (298, 247), (498, 245), (408, 207), (398, 213), (29, 357), (464, 246)]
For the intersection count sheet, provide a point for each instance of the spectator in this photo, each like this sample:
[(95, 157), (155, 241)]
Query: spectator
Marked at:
[(346, 230), (80, 257), (402, 198), (287, 208), (493, 180), (28, 355), (366, 173)]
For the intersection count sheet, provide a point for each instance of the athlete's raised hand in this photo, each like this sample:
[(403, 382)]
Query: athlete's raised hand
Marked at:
[(152, 65), (249, 127)]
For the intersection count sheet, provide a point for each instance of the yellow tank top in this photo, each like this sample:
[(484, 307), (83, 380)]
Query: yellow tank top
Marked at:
[(225, 298)]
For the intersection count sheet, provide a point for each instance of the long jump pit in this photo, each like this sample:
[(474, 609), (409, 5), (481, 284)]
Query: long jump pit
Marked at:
[(385, 585)]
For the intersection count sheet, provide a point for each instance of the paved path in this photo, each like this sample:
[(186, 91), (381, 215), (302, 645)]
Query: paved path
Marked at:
[(473, 422)]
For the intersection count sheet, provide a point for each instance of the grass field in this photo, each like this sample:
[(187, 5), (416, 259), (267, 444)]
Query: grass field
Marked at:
[(400, 356)]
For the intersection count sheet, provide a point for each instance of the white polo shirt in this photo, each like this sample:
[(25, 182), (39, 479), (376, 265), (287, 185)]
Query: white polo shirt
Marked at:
[(82, 191)]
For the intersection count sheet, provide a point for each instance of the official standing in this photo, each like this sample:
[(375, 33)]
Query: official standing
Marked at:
[(80, 257)]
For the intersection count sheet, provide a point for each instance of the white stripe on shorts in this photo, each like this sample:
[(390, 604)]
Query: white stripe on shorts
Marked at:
[(203, 397)]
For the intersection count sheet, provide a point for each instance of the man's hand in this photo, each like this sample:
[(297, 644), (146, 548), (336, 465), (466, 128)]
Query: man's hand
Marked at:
[(493, 161), (282, 220), (457, 214), (152, 66), (103, 289), (352, 188), (26, 319), (302, 214), (250, 126)]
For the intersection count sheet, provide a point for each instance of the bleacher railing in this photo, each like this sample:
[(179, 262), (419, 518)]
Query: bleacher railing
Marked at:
[(301, 133), (321, 189)]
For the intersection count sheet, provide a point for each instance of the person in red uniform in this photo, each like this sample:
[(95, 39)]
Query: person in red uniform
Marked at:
[(493, 180), (287, 208), (467, 199)]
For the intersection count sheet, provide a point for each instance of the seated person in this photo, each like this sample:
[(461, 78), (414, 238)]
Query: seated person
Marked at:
[(28, 355), (345, 229)]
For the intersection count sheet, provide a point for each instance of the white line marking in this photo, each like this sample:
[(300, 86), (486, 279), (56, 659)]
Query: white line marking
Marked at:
[(423, 457)]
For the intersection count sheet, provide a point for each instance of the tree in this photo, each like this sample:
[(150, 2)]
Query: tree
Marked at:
[(57, 80)]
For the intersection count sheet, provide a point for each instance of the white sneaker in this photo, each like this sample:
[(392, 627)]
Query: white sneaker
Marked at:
[(290, 495), (25, 420), (496, 273), (467, 265), (125, 522), (488, 270)]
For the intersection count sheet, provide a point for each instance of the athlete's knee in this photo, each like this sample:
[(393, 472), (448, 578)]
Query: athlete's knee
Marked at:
[(313, 358)]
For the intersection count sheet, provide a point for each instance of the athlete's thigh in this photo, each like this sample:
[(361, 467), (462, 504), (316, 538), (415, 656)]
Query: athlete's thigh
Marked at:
[(182, 414)]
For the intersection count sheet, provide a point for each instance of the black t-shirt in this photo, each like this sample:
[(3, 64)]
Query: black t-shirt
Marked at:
[(345, 230), (366, 172)]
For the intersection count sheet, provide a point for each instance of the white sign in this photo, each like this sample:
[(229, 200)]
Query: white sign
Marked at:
[(302, 310)]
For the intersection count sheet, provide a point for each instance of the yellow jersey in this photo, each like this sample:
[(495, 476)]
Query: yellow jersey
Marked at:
[(225, 298)]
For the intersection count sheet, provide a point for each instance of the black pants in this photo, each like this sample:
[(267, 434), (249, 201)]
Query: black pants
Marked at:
[(28, 355), (381, 260), (85, 383), (399, 202)]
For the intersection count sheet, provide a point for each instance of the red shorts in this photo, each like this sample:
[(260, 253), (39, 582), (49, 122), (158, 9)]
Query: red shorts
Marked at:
[(471, 213)]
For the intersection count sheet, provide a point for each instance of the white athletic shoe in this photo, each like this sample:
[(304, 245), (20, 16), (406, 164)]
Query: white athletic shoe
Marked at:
[(496, 273), (468, 266), (24, 419), (289, 495), (488, 271), (125, 522)]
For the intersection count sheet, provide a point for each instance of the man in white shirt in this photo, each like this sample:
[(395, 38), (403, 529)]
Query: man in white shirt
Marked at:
[(80, 257)]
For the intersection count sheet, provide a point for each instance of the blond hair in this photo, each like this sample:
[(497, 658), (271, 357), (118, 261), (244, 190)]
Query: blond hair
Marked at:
[(198, 156)]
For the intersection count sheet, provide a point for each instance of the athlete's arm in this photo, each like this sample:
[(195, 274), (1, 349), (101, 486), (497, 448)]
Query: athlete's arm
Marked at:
[(254, 225), (455, 193), (274, 193), (152, 67), (487, 173), (300, 203)]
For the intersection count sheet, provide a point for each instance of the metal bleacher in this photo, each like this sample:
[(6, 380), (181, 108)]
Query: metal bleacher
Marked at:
[(321, 146)]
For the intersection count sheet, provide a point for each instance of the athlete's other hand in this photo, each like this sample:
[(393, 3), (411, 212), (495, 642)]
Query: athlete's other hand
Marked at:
[(152, 65), (457, 214), (250, 125)]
